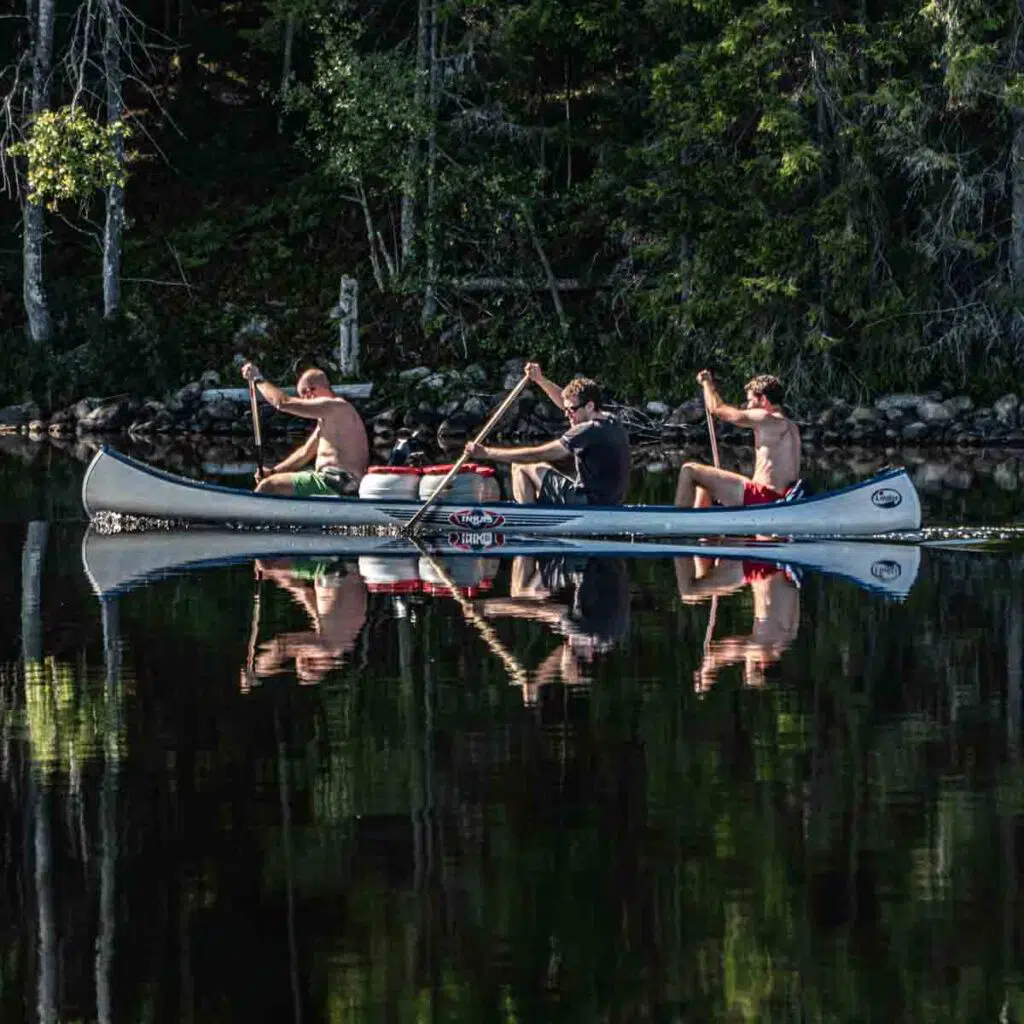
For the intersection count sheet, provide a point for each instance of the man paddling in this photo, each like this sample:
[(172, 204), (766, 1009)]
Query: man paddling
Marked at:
[(338, 447), (596, 441), (776, 450)]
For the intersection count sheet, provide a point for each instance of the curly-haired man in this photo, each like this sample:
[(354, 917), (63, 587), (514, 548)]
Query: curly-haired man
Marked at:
[(596, 441), (776, 449)]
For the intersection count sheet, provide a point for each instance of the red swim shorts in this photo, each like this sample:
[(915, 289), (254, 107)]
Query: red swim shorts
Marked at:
[(758, 571), (759, 494)]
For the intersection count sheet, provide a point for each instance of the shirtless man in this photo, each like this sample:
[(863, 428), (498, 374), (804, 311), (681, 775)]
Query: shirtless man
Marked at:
[(776, 450), (338, 444), (776, 598)]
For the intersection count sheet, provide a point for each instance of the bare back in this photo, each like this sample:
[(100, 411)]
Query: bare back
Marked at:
[(776, 452), (342, 438)]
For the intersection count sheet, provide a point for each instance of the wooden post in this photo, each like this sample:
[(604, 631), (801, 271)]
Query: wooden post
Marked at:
[(347, 314)]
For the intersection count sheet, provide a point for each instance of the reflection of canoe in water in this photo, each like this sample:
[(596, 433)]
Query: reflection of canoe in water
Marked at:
[(117, 562), (115, 483)]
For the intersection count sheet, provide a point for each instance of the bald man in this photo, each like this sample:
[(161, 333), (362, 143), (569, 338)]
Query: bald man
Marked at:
[(338, 447)]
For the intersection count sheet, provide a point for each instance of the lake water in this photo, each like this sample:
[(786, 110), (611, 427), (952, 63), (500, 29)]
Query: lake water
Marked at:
[(584, 789)]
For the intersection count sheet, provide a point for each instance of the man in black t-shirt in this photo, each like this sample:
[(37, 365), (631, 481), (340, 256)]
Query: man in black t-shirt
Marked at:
[(597, 442)]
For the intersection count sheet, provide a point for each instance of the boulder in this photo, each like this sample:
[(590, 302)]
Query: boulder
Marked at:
[(656, 408), (900, 402), (1007, 410), (186, 400), (932, 412), (82, 407), (513, 373), (434, 382), (864, 414), (959, 405), (691, 411), (414, 375), (222, 410), (475, 407), (914, 431), (108, 417)]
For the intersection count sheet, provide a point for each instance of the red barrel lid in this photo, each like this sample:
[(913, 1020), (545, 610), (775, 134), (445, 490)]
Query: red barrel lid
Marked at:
[(397, 470), (395, 587), (466, 467)]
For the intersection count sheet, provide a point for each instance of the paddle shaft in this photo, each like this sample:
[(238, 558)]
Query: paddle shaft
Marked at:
[(256, 429), (713, 436), (457, 465)]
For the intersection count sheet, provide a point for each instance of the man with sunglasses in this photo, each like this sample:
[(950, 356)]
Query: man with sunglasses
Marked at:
[(776, 449), (596, 442), (338, 447)]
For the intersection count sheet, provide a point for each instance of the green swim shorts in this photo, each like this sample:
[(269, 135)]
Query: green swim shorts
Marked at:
[(324, 484)]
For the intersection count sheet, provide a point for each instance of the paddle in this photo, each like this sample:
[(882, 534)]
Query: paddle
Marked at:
[(519, 674), (240, 361), (457, 465), (713, 436), (257, 432), (713, 614)]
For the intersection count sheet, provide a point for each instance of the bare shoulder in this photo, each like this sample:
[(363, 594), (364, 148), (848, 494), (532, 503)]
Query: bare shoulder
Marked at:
[(773, 424)]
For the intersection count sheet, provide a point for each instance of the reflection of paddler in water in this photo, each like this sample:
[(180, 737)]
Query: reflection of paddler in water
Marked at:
[(776, 593), (586, 600), (335, 601)]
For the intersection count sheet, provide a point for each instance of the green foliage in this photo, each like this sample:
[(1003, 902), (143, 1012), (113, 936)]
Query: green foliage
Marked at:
[(814, 189), (70, 156)]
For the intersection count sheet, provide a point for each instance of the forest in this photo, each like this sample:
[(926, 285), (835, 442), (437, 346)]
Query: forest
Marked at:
[(832, 191)]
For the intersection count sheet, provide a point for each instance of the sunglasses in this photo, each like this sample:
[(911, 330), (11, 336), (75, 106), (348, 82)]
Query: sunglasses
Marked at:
[(573, 408)]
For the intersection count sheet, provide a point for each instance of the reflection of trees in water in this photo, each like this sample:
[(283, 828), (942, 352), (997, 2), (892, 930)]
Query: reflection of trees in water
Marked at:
[(840, 842)]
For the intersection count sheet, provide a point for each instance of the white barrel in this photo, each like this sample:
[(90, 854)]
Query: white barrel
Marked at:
[(491, 487), (470, 575), (467, 486), (385, 574), (391, 482)]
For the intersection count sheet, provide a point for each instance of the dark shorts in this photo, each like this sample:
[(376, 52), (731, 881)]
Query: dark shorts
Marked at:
[(558, 489), (326, 483)]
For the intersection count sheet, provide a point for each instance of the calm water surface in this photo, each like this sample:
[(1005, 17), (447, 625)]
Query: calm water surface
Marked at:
[(608, 789)]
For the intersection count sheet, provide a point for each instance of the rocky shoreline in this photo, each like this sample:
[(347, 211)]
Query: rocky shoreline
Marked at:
[(447, 407)]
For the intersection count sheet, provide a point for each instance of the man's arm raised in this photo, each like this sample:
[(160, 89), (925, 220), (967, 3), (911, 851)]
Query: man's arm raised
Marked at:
[(749, 418), (307, 408), (552, 390)]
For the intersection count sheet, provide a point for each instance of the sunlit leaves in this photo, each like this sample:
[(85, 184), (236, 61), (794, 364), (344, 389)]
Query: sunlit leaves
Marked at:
[(70, 155)]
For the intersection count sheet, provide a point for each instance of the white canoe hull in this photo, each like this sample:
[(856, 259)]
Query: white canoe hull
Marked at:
[(115, 483), (115, 563)]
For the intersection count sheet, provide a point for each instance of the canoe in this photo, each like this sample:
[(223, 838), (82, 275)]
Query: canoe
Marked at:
[(115, 483), (115, 563)]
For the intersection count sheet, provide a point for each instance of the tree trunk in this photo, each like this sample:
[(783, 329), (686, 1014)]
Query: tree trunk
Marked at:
[(41, 17), (430, 296), (113, 229), (286, 68), (348, 327), (412, 156), (1017, 194)]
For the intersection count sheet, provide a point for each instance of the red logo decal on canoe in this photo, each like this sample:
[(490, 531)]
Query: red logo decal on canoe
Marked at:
[(476, 519), (475, 541)]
